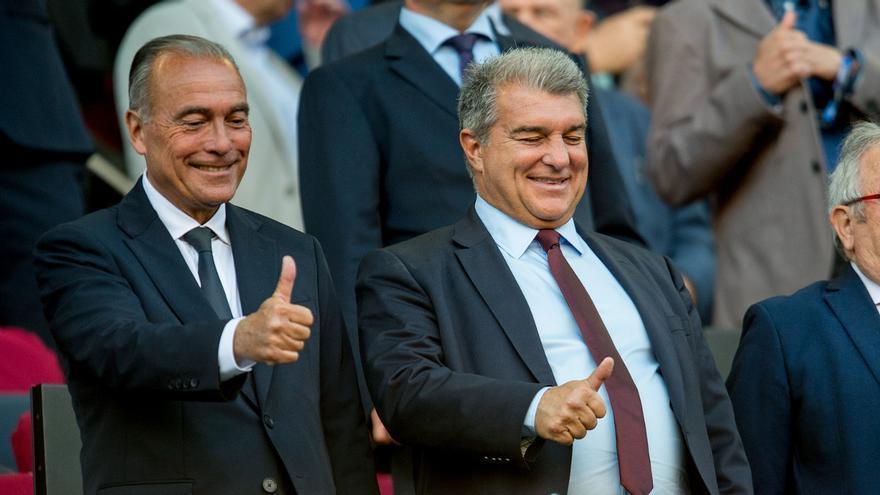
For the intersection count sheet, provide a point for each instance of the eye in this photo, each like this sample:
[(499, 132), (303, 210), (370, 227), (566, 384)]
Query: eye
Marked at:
[(573, 139), (237, 121), (530, 139), (193, 124)]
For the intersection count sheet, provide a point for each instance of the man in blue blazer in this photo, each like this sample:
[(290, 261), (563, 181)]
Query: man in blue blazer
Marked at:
[(805, 382), (171, 308), (482, 358)]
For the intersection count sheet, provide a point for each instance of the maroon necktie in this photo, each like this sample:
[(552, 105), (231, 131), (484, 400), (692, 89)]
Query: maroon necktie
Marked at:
[(629, 421)]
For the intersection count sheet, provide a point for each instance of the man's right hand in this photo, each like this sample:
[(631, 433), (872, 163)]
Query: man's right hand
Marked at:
[(565, 413), (276, 332), (783, 57)]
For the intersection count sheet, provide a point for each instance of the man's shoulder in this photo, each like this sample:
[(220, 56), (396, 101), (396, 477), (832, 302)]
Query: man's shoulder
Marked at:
[(427, 247), (800, 307)]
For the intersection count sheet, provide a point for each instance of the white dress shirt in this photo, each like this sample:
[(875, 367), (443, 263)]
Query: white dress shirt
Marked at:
[(178, 224), (872, 286), (594, 467), (431, 33)]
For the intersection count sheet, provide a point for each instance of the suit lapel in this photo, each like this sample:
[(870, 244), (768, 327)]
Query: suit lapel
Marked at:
[(479, 257), (752, 16), (159, 256), (407, 58), (851, 304), (257, 267), (655, 320)]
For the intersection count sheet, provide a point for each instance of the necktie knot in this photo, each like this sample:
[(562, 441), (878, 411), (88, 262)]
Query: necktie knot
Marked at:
[(548, 238), (200, 238), (463, 43)]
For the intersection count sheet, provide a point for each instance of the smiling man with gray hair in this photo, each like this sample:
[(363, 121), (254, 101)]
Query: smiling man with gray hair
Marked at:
[(517, 353), (805, 382)]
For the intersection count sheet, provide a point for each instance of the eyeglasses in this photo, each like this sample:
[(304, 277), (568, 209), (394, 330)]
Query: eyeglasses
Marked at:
[(863, 198)]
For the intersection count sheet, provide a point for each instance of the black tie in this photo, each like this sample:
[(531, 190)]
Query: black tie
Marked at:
[(212, 288), (463, 44)]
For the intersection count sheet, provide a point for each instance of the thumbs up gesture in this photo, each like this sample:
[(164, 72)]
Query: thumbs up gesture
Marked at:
[(565, 413), (783, 57), (278, 330)]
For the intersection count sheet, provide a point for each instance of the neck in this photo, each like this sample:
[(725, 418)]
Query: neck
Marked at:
[(458, 16)]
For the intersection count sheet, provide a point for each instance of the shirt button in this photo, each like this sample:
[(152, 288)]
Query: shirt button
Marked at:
[(268, 421), (270, 486)]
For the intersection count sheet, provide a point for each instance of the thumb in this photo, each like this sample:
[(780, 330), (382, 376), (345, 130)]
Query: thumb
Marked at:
[(601, 373), (789, 19), (285, 281)]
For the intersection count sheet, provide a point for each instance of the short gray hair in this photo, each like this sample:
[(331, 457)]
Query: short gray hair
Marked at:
[(141, 73), (545, 69), (845, 182)]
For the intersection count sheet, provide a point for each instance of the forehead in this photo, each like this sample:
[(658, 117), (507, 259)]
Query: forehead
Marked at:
[(519, 104), (181, 80)]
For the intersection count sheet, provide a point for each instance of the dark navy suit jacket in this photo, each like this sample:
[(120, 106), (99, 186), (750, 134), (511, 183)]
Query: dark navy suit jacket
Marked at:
[(805, 387)]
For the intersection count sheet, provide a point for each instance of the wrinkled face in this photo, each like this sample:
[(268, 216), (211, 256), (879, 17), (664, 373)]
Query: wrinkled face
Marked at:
[(555, 19), (862, 241), (534, 165), (197, 138)]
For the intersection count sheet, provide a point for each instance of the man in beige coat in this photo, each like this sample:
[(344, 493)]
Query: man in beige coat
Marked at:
[(271, 186), (735, 120)]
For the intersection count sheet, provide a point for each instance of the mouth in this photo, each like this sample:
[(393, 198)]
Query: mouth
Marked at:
[(550, 181), (213, 168)]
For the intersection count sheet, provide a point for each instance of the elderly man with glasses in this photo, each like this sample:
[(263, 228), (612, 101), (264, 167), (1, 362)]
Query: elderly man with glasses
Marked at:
[(805, 383)]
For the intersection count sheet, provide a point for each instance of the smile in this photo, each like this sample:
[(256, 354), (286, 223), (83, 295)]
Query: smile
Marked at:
[(212, 168), (550, 181)]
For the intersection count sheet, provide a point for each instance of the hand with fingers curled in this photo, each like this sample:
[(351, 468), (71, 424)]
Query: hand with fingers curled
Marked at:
[(278, 330), (783, 57), (568, 411)]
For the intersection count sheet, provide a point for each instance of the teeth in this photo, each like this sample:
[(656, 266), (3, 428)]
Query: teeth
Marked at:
[(211, 169)]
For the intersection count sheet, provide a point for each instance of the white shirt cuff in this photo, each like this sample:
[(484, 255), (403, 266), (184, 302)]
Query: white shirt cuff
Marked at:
[(229, 368), (529, 421)]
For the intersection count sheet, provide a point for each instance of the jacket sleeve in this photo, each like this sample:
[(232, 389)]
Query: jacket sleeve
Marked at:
[(732, 471), (703, 123), (102, 330), (761, 396), (423, 402)]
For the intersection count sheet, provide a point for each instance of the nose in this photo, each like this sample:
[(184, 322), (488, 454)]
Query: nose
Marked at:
[(556, 155), (219, 141)]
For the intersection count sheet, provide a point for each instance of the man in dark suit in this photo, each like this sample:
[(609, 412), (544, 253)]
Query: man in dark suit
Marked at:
[(169, 311), (805, 382), (379, 158), (485, 353), (45, 146)]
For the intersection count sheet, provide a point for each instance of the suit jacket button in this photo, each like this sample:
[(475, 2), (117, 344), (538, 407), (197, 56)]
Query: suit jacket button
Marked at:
[(804, 106), (817, 167), (269, 485), (193, 383), (268, 421), (177, 383)]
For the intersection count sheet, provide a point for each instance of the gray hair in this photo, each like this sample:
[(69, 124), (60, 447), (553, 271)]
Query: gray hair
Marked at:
[(545, 69), (142, 66), (845, 184)]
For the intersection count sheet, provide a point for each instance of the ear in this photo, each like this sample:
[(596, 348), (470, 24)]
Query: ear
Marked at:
[(135, 131), (473, 150), (585, 22), (842, 222)]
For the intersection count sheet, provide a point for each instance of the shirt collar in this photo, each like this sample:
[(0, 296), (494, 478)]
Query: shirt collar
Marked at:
[(179, 223), (240, 22), (431, 33), (514, 237), (872, 286)]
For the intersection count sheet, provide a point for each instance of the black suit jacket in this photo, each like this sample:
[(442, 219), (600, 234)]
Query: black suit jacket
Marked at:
[(453, 359), (805, 386), (140, 346), (380, 159)]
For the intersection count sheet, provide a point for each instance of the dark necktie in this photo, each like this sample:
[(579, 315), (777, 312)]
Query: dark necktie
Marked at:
[(629, 421), (212, 288), (463, 44)]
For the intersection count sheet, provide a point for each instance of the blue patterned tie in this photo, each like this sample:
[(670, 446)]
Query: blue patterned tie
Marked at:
[(463, 44)]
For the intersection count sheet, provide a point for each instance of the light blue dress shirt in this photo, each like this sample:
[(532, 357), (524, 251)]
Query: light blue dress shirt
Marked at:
[(431, 33), (594, 468)]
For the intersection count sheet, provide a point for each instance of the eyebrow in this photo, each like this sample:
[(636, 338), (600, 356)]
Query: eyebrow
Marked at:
[(544, 130), (241, 107)]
